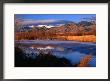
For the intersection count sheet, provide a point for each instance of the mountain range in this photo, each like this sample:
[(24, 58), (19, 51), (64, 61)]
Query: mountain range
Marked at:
[(60, 26)]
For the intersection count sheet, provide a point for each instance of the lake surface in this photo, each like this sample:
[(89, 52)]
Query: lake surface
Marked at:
[(71, 50)]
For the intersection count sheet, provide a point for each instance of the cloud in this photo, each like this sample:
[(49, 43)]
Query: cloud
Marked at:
[(25, 22)]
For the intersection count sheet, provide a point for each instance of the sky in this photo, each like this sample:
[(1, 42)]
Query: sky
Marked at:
[(40, 17)]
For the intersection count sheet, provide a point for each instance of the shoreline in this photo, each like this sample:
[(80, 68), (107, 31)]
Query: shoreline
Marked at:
[(52, 42)]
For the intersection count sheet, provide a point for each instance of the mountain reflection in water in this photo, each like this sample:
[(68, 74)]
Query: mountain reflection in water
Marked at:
[(71, 51)]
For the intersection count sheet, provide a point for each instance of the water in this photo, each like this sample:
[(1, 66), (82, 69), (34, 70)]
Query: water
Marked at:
[(71, 50)]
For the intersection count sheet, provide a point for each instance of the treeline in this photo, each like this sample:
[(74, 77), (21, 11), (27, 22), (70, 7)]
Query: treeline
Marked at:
[(32, 35)]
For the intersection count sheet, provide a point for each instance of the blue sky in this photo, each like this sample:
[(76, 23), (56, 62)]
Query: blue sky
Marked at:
[(70, 17)]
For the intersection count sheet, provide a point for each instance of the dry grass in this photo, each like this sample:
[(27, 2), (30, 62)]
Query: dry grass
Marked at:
[(86, 38), (34, 35), (84, 61)]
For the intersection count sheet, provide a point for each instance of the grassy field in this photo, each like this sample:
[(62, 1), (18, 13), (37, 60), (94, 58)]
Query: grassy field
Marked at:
[(86, 38), (34, 36)]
